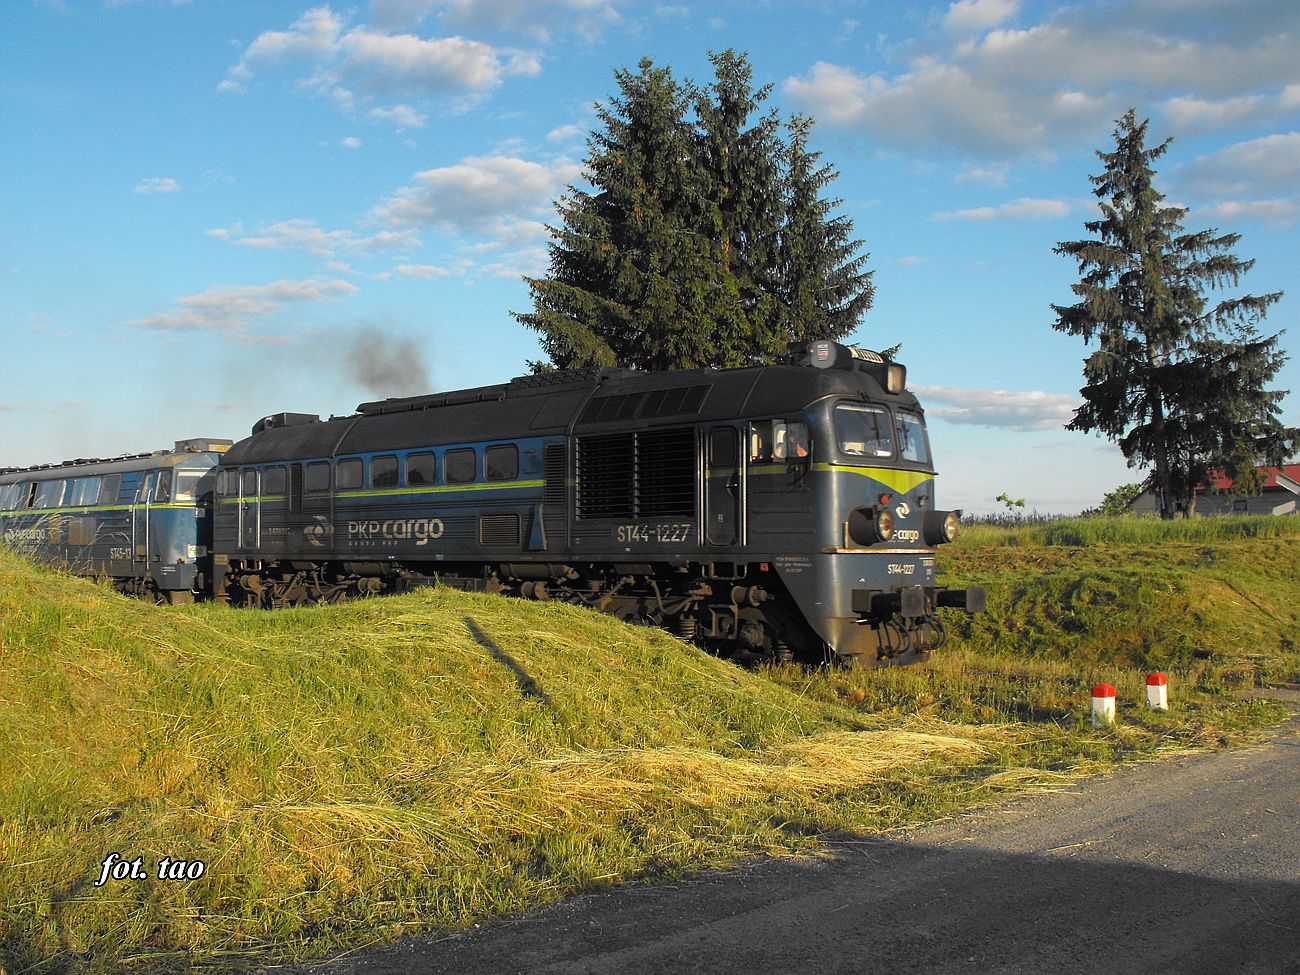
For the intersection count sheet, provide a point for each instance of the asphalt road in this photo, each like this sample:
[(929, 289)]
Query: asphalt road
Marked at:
[(1185, 866)]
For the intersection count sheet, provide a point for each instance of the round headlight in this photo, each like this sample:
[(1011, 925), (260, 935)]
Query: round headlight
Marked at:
[(884, 524), (951, 526)]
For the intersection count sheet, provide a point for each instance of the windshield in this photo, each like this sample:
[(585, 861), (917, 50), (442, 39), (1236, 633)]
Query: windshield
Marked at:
[(863, 431), (187, 483), (911, 438)]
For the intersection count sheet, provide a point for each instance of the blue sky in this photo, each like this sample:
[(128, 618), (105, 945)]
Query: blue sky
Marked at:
[(216, 210)]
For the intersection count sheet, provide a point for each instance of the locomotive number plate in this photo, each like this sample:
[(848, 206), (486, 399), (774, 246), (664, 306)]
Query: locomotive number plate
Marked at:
[(671, 533)]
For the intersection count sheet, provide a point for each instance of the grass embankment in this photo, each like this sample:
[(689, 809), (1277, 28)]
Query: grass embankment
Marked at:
[(346, 773)]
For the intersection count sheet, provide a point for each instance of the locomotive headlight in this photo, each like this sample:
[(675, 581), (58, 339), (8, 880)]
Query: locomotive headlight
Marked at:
[(895, 377), (870, 525), (941, 526), (884, 524)]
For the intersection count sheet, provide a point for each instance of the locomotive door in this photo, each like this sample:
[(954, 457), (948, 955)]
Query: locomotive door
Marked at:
[(140, 519), (250, 509), (722, 495)]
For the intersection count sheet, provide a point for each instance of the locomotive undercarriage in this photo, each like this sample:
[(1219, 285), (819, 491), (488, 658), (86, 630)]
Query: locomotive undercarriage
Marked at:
[(734, 610)]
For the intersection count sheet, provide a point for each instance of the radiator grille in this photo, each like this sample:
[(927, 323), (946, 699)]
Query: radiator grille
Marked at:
[(555, 467), (498, 529), (637, 475)]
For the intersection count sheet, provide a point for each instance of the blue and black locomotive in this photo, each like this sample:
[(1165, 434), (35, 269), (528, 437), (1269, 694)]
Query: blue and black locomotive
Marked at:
[(143, 521), (769, 513)]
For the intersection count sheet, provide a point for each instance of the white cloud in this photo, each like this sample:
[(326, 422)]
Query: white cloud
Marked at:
[(565, 133), (228, 309), (351, 142), (495, 196), (422, 271), (537, 19), (1268, 165), (378, 64), (983, 175), (1282, 213), (1063, 80), (1023, 410), (308, 237), (1025, 208), (403, 116), (1254, 180), (973, 16), (157, 184)]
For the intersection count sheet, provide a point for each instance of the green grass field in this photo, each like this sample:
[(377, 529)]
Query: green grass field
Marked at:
[(421, 762)]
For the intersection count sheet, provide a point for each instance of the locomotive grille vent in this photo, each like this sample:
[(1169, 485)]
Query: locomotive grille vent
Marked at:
[(637, 475), (554, 468), (682, 401), (498, 530)]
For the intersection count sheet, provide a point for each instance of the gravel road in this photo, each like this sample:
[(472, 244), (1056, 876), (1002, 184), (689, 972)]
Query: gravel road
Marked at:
[(1185, 866)]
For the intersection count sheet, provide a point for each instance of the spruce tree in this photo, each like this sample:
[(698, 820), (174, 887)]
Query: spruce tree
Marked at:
[(741, 168), (1177, 383), (823, 288), (628, 265), (705, 241)]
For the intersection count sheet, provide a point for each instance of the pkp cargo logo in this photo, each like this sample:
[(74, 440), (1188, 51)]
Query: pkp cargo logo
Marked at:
[(320, 532)]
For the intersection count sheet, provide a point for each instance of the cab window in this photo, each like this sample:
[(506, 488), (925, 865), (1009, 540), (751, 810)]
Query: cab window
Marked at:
[(863, 431), (187, 483), (162, 492), (912, 444)]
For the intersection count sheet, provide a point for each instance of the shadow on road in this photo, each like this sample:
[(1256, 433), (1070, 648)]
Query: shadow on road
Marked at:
[(891, 906)]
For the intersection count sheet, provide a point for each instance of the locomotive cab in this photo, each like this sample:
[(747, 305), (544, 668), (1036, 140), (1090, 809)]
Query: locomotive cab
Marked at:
[(871, 585)]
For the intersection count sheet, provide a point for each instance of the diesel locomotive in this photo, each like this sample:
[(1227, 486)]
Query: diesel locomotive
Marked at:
[(768, 513)]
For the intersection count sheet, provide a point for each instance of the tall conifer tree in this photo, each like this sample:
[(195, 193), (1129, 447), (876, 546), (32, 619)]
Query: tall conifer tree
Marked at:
[(823, 287), (1177, 383), (741, 166), (628, 265), (705, 242)]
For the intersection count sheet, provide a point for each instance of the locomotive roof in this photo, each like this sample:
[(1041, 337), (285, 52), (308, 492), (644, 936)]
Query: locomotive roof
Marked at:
[(92, 466), (579, 401)]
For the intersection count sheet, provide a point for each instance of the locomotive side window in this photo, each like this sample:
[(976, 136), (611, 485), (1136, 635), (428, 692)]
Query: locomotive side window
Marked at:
[(317, 478), (223, 483), (501, 463), (420, 469), (789, 440), (383, 471), (274, 483), (82, 492), (911, 438), (250, 484), (458, 466), (349, 474), (863, 431), (109, 489), (162, 492), (49, 494)]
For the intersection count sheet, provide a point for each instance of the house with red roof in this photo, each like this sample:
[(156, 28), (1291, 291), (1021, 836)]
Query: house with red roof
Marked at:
[(1280, 496)]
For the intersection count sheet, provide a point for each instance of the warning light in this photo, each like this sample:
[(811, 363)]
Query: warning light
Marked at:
[(885, 499)]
